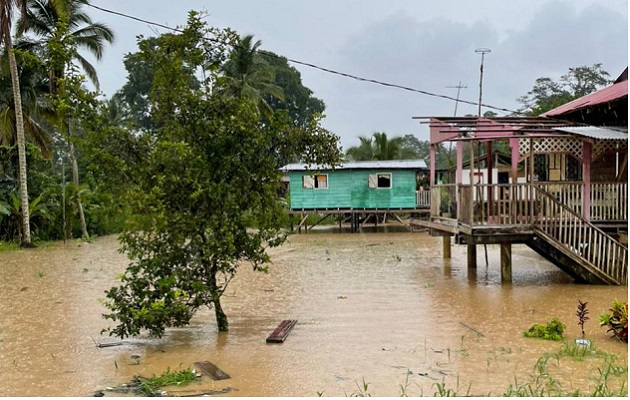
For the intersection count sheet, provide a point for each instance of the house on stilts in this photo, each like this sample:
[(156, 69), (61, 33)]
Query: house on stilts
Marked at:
[(565, 193), (360, 191)]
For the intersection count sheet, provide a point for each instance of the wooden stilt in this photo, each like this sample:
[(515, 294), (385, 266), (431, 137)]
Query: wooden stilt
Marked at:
[(472, 256), (446, 247), (506, 263)]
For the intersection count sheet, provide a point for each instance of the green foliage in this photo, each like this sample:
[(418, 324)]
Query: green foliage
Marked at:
[(380, 147), (616, 320), (548, 94), (298, 100), (151, 386), (209, 174), (553, 330)]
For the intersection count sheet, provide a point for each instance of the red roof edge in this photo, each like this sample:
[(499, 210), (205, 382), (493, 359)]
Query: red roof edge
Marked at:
[(611, 93)]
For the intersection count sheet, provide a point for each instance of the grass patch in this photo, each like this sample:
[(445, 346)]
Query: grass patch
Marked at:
[(151, 386), (8, 246)]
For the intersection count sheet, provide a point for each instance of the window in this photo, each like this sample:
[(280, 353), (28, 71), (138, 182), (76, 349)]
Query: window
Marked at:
[(380, 181), (315, 181)]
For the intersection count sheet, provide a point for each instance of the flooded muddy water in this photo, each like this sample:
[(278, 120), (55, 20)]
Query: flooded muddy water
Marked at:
[(380, 308)]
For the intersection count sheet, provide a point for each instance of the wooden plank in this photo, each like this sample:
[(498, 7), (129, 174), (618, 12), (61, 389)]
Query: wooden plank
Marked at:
[(282, 331), (211, 370)]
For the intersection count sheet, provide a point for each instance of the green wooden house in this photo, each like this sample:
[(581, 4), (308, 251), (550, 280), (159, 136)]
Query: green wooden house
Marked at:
[(355, 186)]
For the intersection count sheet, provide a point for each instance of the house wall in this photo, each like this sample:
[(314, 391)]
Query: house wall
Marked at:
[(350, 189)]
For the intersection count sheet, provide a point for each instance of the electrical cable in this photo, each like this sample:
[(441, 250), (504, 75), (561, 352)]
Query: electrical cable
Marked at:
[(314, 66)]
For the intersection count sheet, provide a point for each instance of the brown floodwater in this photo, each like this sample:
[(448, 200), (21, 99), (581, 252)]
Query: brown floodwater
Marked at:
[(377, 307)]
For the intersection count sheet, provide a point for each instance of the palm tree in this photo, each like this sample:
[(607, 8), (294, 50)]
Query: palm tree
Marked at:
[(33, 83), (6, 17), (379, 147), (55, 21), (42, 18), (363, 152), (250, 75)]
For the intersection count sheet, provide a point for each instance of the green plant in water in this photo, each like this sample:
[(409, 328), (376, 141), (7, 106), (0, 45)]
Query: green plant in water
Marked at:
[(150, 386), (363, 390), (616, 320), (40, 274), (552, 331), (582, 313)]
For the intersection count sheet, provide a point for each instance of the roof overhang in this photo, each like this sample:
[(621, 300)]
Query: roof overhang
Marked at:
[(597, 133)]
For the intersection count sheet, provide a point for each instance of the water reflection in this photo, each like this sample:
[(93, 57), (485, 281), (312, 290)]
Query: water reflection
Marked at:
[(369, 306)]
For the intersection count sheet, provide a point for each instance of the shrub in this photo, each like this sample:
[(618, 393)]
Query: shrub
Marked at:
[(617, 320), (552, 331)]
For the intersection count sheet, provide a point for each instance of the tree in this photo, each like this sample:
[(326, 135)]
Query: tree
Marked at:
[(298, 99), (42, 18), (6, 14), (36, 112), (380, 147), (548, 94), (63, 27), (251, 75), (208, 178)]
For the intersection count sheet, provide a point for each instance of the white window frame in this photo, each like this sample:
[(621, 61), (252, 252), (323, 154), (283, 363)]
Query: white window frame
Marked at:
[(373, 180), (311, 182)]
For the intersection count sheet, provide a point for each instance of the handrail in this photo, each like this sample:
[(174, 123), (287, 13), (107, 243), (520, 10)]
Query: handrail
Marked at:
[(581, 237)]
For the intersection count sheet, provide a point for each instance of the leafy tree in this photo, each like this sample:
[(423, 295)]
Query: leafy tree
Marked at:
[(208, 177), (6, 17), (62, 28), (36, 111), (548, 94), (380, 147), (251, 75), (42, 18), (363, 152), (298, 99)]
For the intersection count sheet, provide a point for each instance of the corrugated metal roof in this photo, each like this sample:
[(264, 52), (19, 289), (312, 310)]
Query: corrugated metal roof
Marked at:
[(610, 93), (390, 164), (595, 132)]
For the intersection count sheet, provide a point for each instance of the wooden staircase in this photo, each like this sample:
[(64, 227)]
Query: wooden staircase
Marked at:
[(576, 246)]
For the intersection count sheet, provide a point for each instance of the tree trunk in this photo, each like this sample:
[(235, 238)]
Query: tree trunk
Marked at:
[(75, 180), (19, 129), (222, 321)]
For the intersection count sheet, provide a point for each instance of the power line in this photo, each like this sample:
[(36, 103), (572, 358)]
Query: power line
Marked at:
[(314, 66)]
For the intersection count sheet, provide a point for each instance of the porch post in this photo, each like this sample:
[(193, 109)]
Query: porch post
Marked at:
[(514, 144), (506, 262), (446, 246), (460, 162), (432, 166), (587, 149), (472, 256)]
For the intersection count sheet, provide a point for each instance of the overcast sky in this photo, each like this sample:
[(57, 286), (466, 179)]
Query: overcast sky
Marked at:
[(427, 45)]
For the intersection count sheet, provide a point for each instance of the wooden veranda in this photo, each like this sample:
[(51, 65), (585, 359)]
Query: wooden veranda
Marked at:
[(576, 224)]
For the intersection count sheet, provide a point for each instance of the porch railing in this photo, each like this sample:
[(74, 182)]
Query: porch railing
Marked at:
[(519, 203), (568, 229), (423, 198), (609, 202)]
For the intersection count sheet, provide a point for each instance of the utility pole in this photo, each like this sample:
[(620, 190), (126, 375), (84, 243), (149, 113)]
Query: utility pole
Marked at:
[(483, 51), (459, 87)]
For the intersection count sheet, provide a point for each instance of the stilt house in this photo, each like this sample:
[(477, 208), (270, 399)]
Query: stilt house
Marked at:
[(358, 189), (566, 194)]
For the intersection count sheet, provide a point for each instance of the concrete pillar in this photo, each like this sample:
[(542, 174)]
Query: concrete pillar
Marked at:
[(446, 247), (506, 263), (472, 256)]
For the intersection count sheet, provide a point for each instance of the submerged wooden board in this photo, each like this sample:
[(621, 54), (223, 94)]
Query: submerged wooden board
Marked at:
[(211, 370), (282, 331)]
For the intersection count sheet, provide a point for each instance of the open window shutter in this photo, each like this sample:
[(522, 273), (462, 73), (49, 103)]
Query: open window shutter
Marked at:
[(308, 182), (372, 181)]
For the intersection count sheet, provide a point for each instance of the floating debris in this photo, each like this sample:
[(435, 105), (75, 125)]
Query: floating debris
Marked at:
[(282, 331)]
